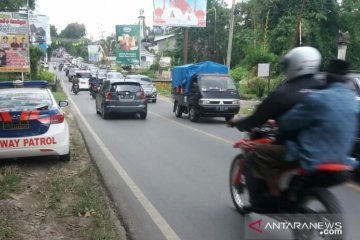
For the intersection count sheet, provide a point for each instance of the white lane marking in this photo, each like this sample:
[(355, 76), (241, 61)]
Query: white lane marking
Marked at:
[(192, 128), (353, 186), (160, 222)]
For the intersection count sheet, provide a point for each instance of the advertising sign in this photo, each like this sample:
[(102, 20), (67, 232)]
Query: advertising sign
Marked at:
[(127, 44), (39, 31), (14, 42), (180, 13), (94, 53)]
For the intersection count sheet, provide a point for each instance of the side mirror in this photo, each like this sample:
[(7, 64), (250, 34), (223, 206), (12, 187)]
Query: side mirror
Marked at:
[(63, 103)]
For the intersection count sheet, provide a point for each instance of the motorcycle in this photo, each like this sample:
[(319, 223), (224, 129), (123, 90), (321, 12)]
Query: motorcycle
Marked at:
[(299, 192), (75, 89), (94, 89)]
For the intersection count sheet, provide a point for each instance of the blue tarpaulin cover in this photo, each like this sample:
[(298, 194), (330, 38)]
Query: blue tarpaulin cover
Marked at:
[(183, 74)]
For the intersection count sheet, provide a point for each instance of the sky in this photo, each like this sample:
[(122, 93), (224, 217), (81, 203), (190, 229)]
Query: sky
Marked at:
[(99, 17)]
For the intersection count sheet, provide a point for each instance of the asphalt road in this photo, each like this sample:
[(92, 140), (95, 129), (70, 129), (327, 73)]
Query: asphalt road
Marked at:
[(169, 177)]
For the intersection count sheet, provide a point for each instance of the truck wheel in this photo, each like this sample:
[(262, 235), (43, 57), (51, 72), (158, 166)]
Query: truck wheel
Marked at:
[(193, 115), (178, 111), (228, 118)]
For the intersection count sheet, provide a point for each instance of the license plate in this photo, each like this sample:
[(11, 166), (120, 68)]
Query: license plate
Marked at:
[(126, 96), (223, 108), (16, 125)]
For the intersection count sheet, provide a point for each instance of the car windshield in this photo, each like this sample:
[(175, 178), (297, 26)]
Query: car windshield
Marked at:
[(146, 84), (83, 75), (20, 100), (145, 79), (139, 78), (126, 87), (216, 83), (114, 75), (101, 74)]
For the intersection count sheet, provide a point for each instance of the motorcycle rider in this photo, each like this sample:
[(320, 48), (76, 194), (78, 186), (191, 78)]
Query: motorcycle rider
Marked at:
[(300, 67), (319, 119), (75, 81), (93, 82)]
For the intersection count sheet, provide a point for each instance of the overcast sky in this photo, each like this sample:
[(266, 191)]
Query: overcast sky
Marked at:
[(97, 16)]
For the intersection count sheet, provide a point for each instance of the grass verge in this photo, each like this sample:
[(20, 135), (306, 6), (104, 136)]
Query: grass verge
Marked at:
[(48, 199), (163, 89), (78, 193)]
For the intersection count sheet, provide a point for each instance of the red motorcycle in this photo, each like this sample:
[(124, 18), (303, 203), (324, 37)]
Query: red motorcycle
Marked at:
[(299, 192)]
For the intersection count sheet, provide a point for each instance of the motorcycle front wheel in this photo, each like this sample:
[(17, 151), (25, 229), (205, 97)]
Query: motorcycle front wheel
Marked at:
[(238, 191)]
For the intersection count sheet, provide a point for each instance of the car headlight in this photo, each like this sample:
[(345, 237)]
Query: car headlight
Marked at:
[(236, 102), (203, 101)]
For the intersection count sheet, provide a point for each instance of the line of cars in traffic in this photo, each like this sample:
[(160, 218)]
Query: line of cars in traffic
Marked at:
[(114, 92)]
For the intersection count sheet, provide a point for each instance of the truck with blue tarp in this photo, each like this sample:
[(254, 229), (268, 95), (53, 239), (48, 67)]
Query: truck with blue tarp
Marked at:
[(204, 89)]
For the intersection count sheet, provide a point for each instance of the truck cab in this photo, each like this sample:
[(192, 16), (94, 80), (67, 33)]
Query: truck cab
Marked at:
[(206, 93)]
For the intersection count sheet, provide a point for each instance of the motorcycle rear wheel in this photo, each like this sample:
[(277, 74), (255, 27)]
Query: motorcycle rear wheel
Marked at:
[(238, 190), (323, 207)]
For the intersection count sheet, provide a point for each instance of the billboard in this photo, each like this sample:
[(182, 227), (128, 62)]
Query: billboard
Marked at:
[(128, 44), (180, 13), (95, 53), (14, 42), (39, 31)]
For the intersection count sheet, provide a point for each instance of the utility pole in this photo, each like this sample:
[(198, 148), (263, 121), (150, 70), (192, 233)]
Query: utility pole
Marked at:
[(231, 33), (186, 45), (298, 23)]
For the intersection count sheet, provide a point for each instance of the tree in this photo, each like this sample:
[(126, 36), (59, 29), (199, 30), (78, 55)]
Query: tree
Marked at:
[(350, 18), (35, 55), (207, 43), (74, 31), (53, 31), (16, 4)]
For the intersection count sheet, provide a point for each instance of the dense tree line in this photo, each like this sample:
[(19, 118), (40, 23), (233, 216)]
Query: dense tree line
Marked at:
[(266, 29)]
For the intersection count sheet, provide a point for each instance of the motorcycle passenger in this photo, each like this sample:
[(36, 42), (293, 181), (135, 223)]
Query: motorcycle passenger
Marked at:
[(300, 67), (93, 81), (319, 121)]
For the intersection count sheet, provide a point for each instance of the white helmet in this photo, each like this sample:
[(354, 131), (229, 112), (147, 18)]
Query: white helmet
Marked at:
[(301, 61)]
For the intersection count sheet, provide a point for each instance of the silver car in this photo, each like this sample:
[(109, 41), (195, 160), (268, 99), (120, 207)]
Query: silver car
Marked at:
[(147, 85)]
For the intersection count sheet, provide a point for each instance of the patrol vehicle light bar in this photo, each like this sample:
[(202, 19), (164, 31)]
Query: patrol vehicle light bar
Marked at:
[(19, 83)]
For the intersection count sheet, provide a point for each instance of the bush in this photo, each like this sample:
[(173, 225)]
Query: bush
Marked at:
[(46, 75), (238, 73), (149, 73), (155, 67)]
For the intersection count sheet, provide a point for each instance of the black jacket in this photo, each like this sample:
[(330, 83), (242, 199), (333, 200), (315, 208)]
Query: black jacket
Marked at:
[(280, 100)]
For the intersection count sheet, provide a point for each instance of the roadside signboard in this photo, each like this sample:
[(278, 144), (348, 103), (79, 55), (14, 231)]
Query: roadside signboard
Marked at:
[(127, 44), (39, 31), (263, 69), (180, 13), (94, 53), (14, 42)]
